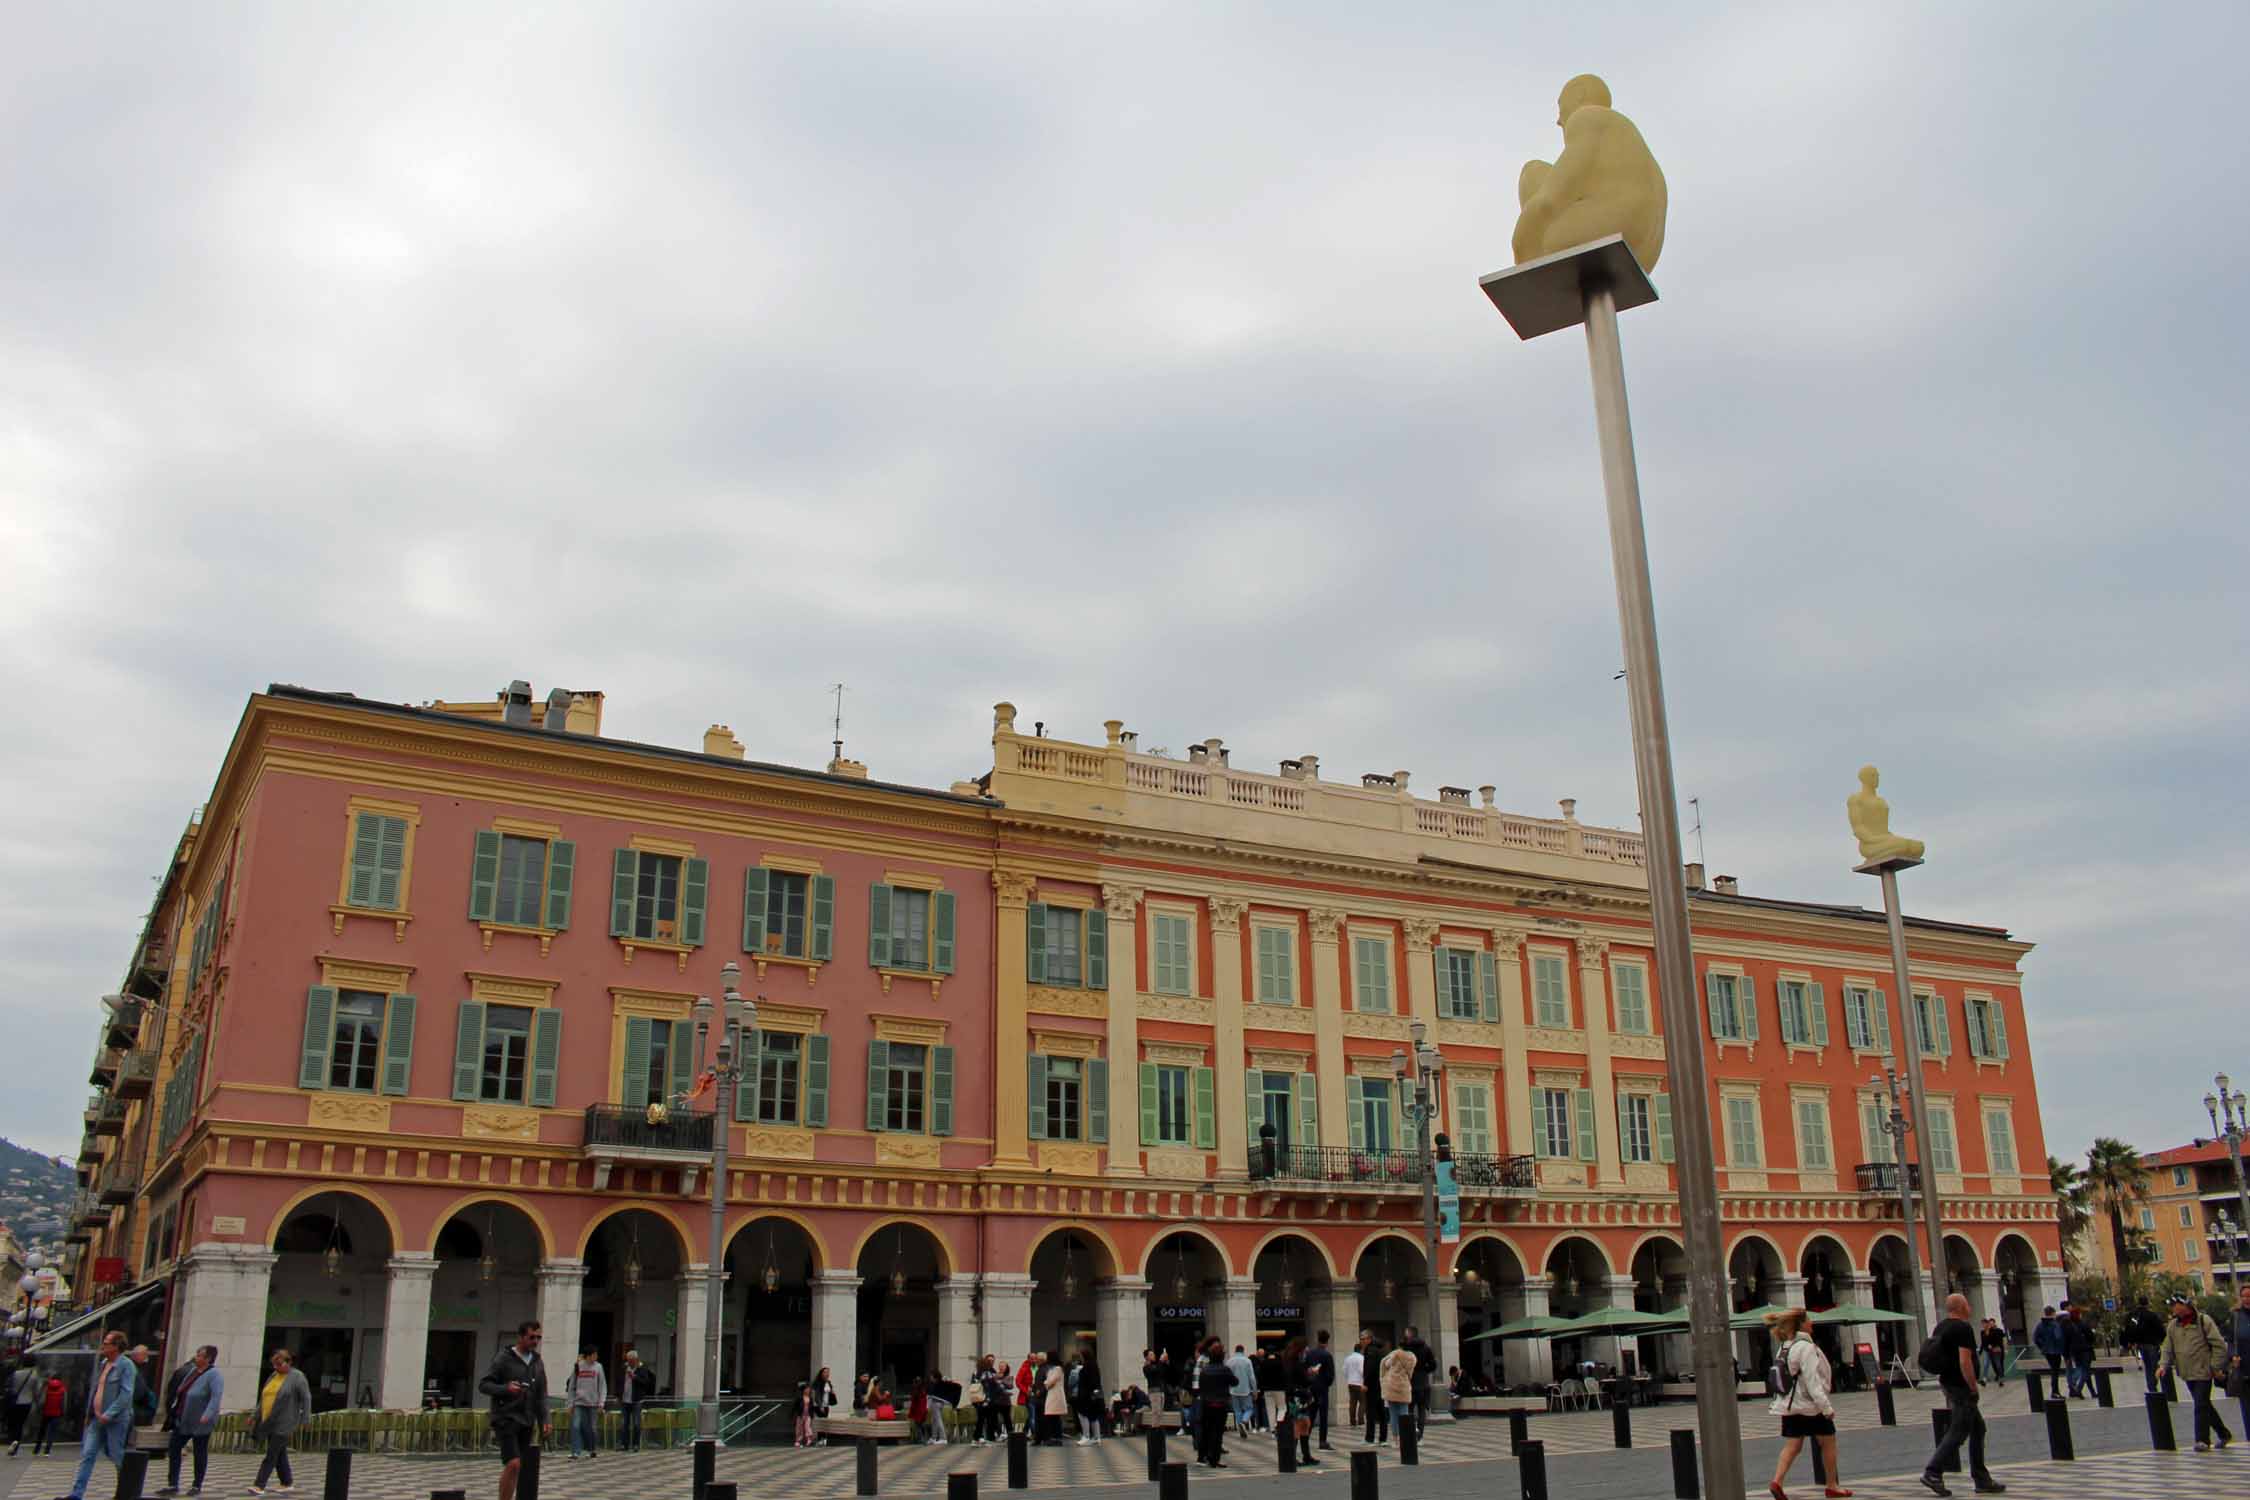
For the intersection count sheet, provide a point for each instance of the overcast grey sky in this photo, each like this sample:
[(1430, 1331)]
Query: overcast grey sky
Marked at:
[(1129, 361)]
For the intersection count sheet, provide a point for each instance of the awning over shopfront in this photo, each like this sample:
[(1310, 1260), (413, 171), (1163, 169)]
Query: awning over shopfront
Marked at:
[(107, 1312)]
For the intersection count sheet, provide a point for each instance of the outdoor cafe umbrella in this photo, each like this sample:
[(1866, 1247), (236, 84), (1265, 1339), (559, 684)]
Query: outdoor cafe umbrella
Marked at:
[(1534, 1326), (1621, 1320), (1856, 1312)]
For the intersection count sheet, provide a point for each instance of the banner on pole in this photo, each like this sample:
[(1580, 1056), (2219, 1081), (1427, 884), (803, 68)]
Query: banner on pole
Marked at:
[(1448, 1205)]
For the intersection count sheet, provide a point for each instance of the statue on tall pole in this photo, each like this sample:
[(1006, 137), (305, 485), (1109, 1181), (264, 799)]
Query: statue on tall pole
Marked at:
[(1606, 181)]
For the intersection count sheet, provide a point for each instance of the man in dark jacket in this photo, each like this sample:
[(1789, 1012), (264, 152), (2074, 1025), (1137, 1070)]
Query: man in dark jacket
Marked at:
[(2144, 1331), (1320, 1375), (1214, 1393), (636, 1382), (517, 1384), (2047, 1338), (2078, 1349), (1425, 1371)]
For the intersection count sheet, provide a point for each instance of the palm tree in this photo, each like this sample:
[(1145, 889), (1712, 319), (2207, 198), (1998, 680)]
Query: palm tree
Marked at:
[(2071, 1198), (2116, 1180)]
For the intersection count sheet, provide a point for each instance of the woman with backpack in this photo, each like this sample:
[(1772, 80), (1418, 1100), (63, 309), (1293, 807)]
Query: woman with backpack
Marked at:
[(1801, 1376)]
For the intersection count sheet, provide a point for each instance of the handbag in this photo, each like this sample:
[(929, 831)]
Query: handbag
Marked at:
[(976, 1395)]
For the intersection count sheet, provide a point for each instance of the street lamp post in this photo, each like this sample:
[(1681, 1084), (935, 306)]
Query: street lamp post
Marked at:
[(2230, 1118), (1895, 1127), (735, 1015), (1420, 1075)]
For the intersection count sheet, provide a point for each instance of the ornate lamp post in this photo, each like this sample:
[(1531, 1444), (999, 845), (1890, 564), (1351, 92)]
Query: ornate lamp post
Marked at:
[(1895, 1126), (2230, 1118), (1420, 1074), (736, 1015)]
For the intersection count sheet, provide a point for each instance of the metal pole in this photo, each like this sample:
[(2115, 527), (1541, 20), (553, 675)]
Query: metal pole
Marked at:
[(1440, 1398), (1906, 1209), (714, 1274), (1716, 1418), (1910, 1044)]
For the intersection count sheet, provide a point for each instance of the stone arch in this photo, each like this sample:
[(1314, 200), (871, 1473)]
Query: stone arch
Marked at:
[(1078, 1227), (1165, 1232), (1609, 1267), (1756, 1236), (1653, 1236), (1972, 1261), (1472, 1236), (373, 1200), (1842, 1252), (662, 1211), (757, 1216), (1327, 1261), (946, 1260), (1388, 1232), (523, 1206)]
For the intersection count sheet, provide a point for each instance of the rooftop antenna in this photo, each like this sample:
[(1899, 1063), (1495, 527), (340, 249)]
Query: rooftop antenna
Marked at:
[(838, 690), (1697, 804)]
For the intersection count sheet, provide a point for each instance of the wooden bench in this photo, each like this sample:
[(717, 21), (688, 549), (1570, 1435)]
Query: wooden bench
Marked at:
[(897, 1430)]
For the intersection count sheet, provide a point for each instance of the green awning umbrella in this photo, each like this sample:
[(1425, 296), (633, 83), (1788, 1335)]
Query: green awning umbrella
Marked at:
[(1622, 1320), (1522, 1328), (1859, 1312)]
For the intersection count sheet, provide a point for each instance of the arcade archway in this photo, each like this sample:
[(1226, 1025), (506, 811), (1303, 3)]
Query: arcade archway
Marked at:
[(325, 1302)]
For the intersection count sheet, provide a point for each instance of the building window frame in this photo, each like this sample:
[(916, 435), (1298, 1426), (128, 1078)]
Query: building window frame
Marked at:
[(1634, 1018), (1550, 989), (1372, 988), (1274, 965), (1742, 1111), (1171, 958)]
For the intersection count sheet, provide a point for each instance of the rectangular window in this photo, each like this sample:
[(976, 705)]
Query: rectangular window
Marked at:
[(910, 930), (1175, 1107), (1554, 1122), (1726, 1017), (2000, 1141), (1457, 984), (359, 1040), (1796, 1020), (1472, 1118), (1813, 1154), (788, 896), (1277, 1102), (1931, 1032), (1550, 989), (1880, 1146), (1065, 1122), (1859, 1018), (2148, 1218), (1632, 999), (1277, 965), (780, 1064), (659, 1079), (522, 888), (1744, 1149), (2187, 1216), (1371, 976), (1066, 952), (1375, 1113), (1636, 1132), (2179, 1177), (1943, 1158), (378, 867), (903, 1094), (656, 898), (507, 1054), (1169, 937)]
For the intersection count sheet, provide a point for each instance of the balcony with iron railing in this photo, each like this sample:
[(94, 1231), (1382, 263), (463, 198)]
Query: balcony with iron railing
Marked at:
[(124, 1026), (120, 1180), (136, 1073), (625, 1130), (1882, 1176), (104, 1074), (107, 1112), (1360, 1167), (87, 1211)]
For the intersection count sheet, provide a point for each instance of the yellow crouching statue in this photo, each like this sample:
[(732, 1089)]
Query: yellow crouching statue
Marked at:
[(1605, 182), (1871, 823)]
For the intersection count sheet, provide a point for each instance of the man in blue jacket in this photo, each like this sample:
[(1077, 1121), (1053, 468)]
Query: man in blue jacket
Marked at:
[(2047, 1338), (191, 1413), (109, 1413)]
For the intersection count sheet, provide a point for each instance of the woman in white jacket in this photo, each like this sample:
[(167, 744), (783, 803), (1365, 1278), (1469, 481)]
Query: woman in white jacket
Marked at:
[(1804, 1404)]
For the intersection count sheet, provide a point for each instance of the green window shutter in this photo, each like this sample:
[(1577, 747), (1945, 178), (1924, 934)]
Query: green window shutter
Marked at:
[(1361, 979), (824, 917), (1996, 1018), (468, 1049), (816, 1081), (546, 1056), (1716, 1000), (1254, 1096), (320, 1027), (390, 863), (1488, 982), (1882, 1011), (1206, 1109), (681, 1058), (1037, 1066), (1097, 949), (624, 881), (1662, 1113), (1816, 996), (754, 909), (1097, 1101), (941, 932), (748, 1044), (1583, 1102), (1746, 1006), (562, 865), (1355, 1119), (367, 850), (398, 1044), (879, 925), (878, 1082), (632, 1088), (1943, 1026), (941, 1091), (484, 875), (1150, 1119), (1035, 926), (1308, 1110), (695, 892)]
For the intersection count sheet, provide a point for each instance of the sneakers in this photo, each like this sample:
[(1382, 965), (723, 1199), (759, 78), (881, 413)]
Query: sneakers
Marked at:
[(256, 1489), (1934, 1485), (1990, 1486)]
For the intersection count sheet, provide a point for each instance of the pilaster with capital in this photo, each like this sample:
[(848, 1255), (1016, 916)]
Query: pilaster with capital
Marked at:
[(1226, 1039), (220, 1291), (1007, 1313), (688, 1325), (1421, 970), (1527, 1361), (1121, 1323), (835, 1325), (1515, 1063), (957, 1323), (406, 1329), (1123, 904), (1236, 1312), (1011, 1019), (1328, 1025), (1593, 988)]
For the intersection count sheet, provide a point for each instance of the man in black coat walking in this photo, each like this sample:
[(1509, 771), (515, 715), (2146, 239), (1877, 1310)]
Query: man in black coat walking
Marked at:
[(1320, 1377), (517, 1384)]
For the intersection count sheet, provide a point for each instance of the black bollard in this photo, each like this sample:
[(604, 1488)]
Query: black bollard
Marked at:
[(2038, 1391), (2058, 1433), (2103, 1395), (1284, 1433), (1519, 1431), (1155, 1437), (1941, 1419), (527, 1476), (1409, 1441), (1621, 1423), (1173, 1486), (338, 1483), (449, 1495), (2160, 1437), (866, 1467), (961, 1485), (132, 1474), (1364, 1482), (2243, 1401), (706, 1462), (1532, 1464), (2171, 1391), (719, 1489), (1019, 1462), (1687, 1484)]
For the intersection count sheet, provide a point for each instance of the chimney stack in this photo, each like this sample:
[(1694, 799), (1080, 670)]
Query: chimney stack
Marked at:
[(1725, 885), (515, 704), (720, 740), (556, 720), (1694, 876)]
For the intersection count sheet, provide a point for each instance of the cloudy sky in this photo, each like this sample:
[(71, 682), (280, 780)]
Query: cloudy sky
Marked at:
[(1129, 360)]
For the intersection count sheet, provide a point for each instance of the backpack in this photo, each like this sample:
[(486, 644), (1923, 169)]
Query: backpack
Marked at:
[(144, 1401), (1932, 1357), (1784, 1374)]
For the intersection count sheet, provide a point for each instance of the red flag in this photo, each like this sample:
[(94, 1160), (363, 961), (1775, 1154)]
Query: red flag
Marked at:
[(706, 1084)]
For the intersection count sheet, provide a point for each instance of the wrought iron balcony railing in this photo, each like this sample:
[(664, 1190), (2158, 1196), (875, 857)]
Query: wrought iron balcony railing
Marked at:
[(1348, 1166), (136, 1073), (105, 1068), (120, 1180), (624, 1130), (109, 1115), (1882, 1176), (124, 1027)]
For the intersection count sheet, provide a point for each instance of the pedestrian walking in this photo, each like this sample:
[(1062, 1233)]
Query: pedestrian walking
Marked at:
[(589, 1393), (1156, 1378), (1355, 1383), (1320, 1375), (996, 1393), (2241, 1384), (284, 1405), (1425, 1375), (1214, 1395), (1802, 1380), (1245, 1389), (1951, 1355), (2196, 1350), (24, 1388), (1088, 1398), (1378, 1409), (2047, 1338), (52, 1411), (1296, 1402), (1995, 1345), (109, 1413), (636, 1382), (191, 1410), (1396, 1375), (517, 1384), (2144, 1334), (2078, 1350), (1054, 1403)]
